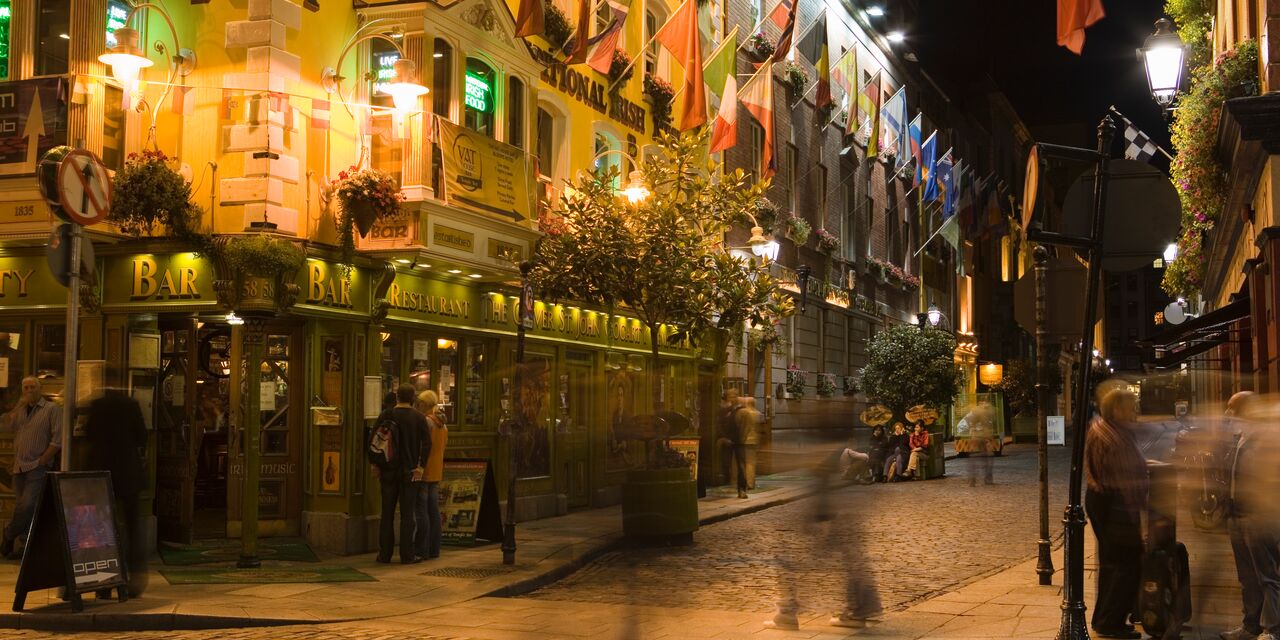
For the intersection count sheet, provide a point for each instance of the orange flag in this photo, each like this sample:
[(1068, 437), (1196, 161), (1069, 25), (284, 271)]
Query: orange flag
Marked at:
[(529, 21), (757, 96), (578, 54), (1074, 16), (680, 36)]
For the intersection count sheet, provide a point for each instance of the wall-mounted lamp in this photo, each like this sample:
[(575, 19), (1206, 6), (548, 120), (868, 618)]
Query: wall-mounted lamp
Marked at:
[(635, 192), (404, 88), (127, 59)]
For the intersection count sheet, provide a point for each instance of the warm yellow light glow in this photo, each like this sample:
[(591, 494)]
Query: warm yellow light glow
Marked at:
[(635, 191), (446, 344), (126, 59), (404, 88), (990, 373)]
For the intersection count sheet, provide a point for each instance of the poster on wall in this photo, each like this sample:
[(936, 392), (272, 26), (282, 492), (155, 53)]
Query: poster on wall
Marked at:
[(687, 447), (330, 472), (469, 503), (33, 120), (484, 174)]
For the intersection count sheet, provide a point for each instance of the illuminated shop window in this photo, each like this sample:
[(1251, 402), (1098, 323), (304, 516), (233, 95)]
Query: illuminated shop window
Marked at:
[(386, 148), (117, 11), (5, 21), (113, 128), (53, 36), (478, 97)]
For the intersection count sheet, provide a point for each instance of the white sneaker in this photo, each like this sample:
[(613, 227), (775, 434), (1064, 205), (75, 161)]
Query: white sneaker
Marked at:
[(790, 623), (848, 623), (1239, 633)]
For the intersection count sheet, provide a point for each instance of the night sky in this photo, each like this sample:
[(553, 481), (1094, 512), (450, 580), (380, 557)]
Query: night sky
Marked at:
[(1060, 96)]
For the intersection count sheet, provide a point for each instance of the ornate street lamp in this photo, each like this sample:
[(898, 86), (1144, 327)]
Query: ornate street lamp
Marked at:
[(635, 192), (127, 59), (1162, 53), (404, 88)]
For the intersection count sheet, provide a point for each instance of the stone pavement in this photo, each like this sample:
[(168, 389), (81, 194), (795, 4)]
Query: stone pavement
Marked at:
[(547, 550)]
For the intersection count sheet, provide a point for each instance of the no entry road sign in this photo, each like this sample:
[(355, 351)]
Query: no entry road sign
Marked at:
[(84, 188)]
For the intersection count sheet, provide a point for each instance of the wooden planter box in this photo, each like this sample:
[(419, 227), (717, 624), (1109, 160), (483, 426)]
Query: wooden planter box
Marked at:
[(660, 504)]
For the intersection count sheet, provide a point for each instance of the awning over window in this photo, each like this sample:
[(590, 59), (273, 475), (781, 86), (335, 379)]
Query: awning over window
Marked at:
[(1171, 347)]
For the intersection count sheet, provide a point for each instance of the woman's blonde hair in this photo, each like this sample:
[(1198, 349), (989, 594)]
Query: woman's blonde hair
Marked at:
[(429, 399), (1112, 400)]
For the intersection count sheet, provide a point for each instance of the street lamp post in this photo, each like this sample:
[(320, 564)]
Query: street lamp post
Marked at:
[(1162, 54), (516, 426), (1044, 560)]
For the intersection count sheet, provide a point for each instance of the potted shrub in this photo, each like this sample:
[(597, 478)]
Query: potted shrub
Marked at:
[(257, 271), (796, 228), (660, 501), (795, 382), (759, 46), (849, 385), (620, 69), (148, 192), (367, 196), (555, 26), (797, 80), (826, 385), (659, 94), (828, 243)]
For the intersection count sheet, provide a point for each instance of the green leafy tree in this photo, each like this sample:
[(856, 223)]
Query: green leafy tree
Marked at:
[(907, 366), (662, 258)]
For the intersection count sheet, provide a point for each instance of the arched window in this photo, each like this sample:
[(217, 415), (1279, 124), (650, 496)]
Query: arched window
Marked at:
[(605, 141), (441, 78), (478, 97), (550, 147), (515, 112)]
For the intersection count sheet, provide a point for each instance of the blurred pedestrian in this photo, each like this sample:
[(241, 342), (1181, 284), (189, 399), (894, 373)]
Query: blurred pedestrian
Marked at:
[(982, 443), (1115, 499), (406, 429), (1253, 520), (835, 525), (748, 421), (427, 537), (117, 437), (36, 425), (727, 436)]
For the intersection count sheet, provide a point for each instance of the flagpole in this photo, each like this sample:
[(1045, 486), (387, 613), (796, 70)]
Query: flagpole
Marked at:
[(712, 56), (1129, 122), (926, 242)]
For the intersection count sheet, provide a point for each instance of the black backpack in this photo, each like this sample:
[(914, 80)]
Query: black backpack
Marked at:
[(382, 442)]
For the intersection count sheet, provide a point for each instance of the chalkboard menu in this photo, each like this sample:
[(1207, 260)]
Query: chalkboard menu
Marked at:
[(73, 542)]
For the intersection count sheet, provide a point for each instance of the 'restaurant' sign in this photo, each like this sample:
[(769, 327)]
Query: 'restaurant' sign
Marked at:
[(486, 175), (33, 119)]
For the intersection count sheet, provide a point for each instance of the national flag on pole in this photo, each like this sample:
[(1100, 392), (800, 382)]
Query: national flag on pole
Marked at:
[(1137, 145), (757, 96), (183, 103), (928, 164), (1074, 16), (529, 18), (814, 47), (869, 106), (788, 30), (319, 114), (950, 231), (603, 44), (946, 183), (845, 71), (894, 119), (578, 44), (780, 12), (722, 63), (681, 37), (913, 132), (724, 132)]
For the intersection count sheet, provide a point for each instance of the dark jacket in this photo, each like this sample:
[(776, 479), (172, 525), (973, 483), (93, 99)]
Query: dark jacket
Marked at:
[(879, 445), (412, 443), (901, 442), (115, 432)]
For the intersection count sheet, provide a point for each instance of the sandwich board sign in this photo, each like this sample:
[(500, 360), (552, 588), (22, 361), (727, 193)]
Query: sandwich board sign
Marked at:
[(73, 542)]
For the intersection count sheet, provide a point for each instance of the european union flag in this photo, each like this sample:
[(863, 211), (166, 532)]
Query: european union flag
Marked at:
[(929, 151)]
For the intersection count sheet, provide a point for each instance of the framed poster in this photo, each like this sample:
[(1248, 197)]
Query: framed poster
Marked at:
[(144, 351), (469, 503)]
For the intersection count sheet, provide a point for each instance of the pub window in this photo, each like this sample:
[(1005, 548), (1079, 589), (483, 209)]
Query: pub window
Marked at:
[(757, 151), (515, 112), (392, 352), (50, 346), (654, 56), (478, 98), (11, 346), (822, 196), (848, 231), (442, 78), (792, 177), (53, 36), (604, 15), (386, 146), (612, 162), (6, 20), (113, 128)]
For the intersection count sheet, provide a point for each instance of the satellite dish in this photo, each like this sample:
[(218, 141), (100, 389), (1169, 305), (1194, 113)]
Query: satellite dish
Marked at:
[(1173, 314), (1141, 214)]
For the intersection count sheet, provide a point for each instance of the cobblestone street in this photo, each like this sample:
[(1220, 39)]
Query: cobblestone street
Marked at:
[(921, 539)]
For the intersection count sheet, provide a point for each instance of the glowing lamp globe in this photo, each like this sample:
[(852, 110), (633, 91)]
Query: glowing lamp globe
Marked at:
[(404, 88), (1162, 54), (126, 59)]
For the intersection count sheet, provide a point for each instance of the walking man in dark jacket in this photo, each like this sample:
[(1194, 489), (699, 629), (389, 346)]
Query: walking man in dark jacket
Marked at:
[(117, 436), (409, 429)]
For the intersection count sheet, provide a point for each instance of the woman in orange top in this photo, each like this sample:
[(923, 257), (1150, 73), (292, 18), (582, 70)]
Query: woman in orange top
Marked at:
[(426, 538)]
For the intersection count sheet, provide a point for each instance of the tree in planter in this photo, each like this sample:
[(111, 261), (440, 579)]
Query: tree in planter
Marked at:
[(662, 258), (907, 365), (148, 192)]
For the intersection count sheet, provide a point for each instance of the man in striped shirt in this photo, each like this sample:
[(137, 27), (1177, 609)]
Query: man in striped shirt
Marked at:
[(36, 425)]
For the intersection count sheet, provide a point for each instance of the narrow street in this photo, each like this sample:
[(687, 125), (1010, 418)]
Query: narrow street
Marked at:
[(921, 539)]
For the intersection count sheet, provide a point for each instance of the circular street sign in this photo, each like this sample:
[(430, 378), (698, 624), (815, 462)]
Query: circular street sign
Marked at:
[(1030, 186), (1142, 212), (84, 188), (1174, 314)]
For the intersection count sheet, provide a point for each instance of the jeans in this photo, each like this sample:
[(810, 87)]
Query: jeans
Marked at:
[(27, 487), (1257, 551), (426, 539), (396, 489)]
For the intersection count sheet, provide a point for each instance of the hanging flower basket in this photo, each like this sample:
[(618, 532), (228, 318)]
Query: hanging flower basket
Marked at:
[(148, 192), (828, 243), (759, 47), (795, 382), (797, 228), (797, 81), (659, 94), (620, 69), (366, 196), (826, 385)]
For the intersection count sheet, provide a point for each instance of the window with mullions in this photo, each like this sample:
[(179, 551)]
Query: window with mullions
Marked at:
[(53, 36), (386, 147)]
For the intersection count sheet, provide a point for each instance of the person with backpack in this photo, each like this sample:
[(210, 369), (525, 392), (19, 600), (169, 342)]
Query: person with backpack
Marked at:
[(429, 532), (397, 448)]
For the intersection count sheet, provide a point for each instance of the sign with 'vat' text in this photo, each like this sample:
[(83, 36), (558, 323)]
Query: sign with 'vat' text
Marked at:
[(485, 175)]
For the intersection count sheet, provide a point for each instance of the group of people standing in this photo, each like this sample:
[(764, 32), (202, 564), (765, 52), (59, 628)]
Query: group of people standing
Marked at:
[(411, 478)]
